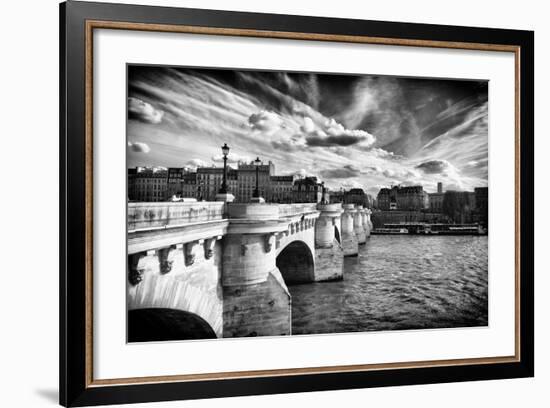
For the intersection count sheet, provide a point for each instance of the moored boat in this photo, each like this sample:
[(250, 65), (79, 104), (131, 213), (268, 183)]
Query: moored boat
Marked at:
[(390, 231)]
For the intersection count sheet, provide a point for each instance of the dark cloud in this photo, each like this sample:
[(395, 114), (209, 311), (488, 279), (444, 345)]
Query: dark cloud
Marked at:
[(143, 111), (332, 134), (287, 145), (347, 171), (433, 167), (341, 140)]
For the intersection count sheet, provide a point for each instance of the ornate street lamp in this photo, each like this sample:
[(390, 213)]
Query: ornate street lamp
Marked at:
[(323, 199), (257, 163), (225, 151)]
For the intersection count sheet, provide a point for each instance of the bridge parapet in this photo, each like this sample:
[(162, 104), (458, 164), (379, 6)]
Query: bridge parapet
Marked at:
[(160, 215), (153, 226), (289, 210)]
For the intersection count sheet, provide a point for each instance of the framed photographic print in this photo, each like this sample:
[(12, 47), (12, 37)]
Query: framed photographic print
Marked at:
[(256, 203)]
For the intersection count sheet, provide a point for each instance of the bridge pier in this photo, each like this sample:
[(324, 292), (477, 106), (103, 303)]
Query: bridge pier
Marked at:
[(349, 239), (256, 301), (358, 225), (329, 256), (371, 226), (366, 221)]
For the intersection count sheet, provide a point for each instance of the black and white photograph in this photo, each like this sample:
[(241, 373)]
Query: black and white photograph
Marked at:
[(269, 203), (275, 204)]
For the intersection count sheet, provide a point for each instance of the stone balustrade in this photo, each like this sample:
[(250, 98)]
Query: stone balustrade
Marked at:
[(163, 215), (288, 210), (164, 225)]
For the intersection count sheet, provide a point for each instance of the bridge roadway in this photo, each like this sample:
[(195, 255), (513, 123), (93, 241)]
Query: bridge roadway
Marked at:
[(224, 267)]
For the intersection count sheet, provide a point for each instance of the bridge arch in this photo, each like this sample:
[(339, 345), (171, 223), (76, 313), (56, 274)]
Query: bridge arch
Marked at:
[(195, 291), (296, 264), (160, 324)]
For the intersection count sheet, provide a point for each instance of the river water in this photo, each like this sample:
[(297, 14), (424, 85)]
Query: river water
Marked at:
[(400, 282)]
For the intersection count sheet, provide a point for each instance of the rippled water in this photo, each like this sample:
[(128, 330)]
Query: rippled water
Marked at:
[(400, 282)]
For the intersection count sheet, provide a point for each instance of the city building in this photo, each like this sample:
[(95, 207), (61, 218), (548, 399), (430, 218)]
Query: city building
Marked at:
[(353, 196), (403, 198), (337, 196), (307, 190), (161, 184), (436, 202), (246, 176), (459, 206), (147, 184), (436, 199), (281, 188), (481, 199), (385, 197), (174, 181), (471, 200), (131, 184), (209, 182), (413, 198), (358, 197), (189, 186)]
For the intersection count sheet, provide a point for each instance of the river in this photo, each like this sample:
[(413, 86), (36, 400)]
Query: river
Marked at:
[(400, 282)]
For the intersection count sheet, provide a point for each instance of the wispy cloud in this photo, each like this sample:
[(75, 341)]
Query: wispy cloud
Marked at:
[(232, 158)]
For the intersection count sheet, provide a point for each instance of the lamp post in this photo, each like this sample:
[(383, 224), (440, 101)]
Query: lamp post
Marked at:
[(323, 199), (257, 163), (225, 151), (223, 194)]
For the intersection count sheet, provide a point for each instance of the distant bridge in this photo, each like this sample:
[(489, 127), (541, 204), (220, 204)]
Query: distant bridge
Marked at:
[(223, 268)]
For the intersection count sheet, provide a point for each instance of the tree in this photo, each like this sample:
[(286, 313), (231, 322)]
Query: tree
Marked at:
[(456, 206)]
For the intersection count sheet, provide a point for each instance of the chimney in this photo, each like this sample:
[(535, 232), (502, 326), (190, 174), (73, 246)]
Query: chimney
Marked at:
[(440, 187)]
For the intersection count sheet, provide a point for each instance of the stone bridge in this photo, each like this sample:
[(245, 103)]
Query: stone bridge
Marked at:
[(217, 269)]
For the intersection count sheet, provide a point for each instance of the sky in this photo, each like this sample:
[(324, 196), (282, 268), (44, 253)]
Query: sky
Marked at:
[(364, 131)]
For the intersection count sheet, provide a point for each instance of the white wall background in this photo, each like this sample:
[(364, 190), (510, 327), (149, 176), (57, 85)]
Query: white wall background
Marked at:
[(29, 203)]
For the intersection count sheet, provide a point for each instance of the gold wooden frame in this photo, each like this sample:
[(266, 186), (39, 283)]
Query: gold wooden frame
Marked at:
[(98, 24)]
